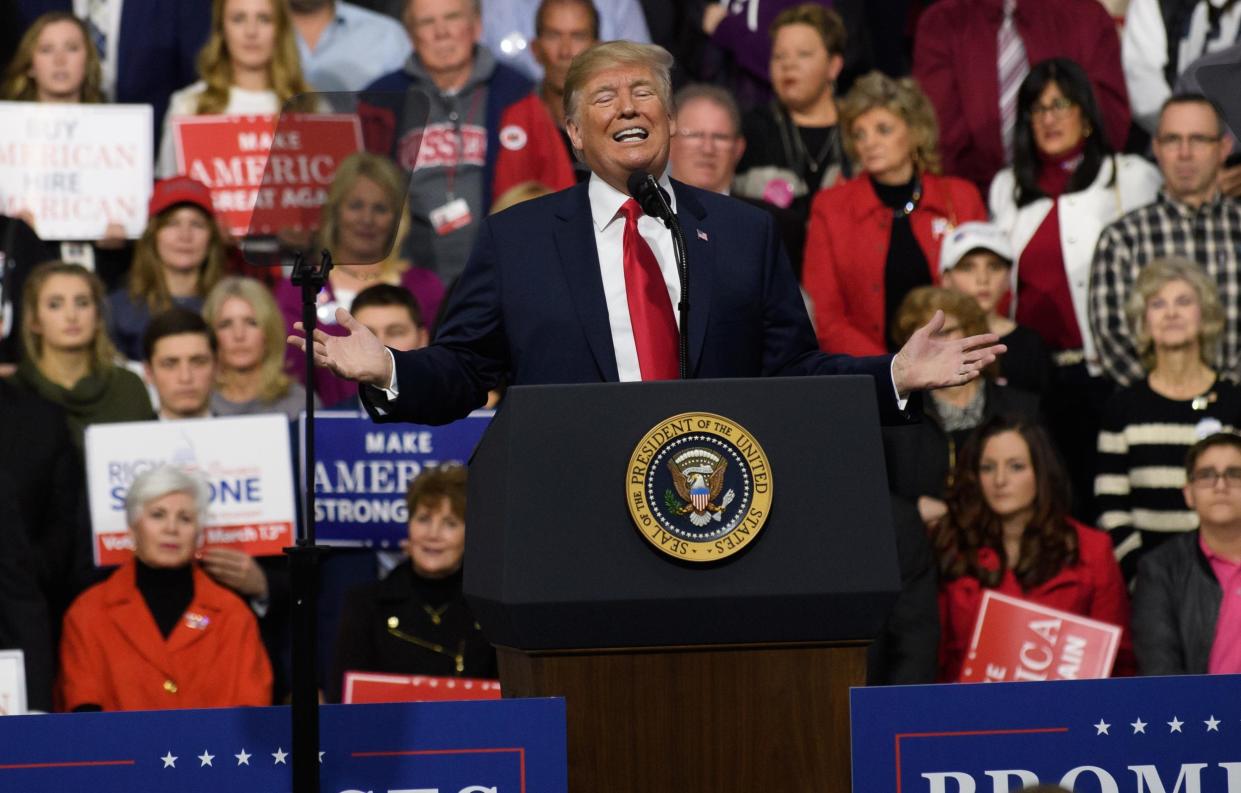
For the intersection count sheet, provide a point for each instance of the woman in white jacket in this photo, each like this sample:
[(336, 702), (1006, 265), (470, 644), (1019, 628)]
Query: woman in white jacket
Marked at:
[(1064, 187)]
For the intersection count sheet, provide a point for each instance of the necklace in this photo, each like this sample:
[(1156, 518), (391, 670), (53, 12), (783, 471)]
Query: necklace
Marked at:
[(436, 614), (817, 161), (912, 203), (458, 657)]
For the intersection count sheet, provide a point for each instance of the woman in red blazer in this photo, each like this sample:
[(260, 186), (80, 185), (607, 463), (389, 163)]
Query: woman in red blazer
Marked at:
[(1007, 529), (877, 236), (159, 633)]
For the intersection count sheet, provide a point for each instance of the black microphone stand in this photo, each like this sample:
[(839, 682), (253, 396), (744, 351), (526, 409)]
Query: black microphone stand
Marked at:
[(664, 212), (304, 555)]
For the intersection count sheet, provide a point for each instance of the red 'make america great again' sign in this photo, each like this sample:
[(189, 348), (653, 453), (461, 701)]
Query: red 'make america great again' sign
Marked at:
[(1017, 640), (266, 177)]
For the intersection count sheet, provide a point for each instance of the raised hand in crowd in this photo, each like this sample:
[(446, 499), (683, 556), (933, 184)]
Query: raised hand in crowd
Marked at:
[(236, 570)]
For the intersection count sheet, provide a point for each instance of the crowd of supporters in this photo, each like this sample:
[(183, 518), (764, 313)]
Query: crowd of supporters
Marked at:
[(1050, 171)]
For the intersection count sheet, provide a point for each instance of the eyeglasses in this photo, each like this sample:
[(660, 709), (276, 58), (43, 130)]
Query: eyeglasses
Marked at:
[(698, 138), (1056, 108), (1197, 141), (1207, 477)]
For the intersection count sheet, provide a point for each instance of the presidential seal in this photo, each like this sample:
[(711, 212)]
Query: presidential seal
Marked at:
[(699, 487)]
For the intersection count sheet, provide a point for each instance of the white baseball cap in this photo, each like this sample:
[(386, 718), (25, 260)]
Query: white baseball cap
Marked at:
[(973, 236)]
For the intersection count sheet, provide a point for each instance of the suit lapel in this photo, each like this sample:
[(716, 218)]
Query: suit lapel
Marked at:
[(700, 256), (579, 259)]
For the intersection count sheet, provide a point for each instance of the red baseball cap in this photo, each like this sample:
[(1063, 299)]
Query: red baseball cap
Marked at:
[(179, 190)]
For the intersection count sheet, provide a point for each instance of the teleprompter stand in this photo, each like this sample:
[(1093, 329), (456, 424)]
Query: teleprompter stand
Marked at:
[(728, 677), (304, 555)]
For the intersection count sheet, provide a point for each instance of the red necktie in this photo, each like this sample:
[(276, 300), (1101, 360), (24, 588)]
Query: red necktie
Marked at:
[(650, 308)]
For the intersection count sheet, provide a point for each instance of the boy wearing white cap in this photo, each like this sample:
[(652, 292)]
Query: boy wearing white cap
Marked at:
[(976, 259)]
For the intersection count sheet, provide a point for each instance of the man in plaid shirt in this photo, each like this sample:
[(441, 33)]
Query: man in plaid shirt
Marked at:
[(1190, 217)]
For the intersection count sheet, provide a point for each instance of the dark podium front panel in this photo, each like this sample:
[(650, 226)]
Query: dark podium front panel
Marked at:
[(554, 559)]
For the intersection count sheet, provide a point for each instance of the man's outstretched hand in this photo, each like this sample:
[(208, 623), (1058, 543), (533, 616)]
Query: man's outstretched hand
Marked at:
[(357, 356), (928, 361)]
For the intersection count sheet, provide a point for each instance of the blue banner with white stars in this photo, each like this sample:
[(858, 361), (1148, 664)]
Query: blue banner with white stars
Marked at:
[(1137, 735), (497, 746)]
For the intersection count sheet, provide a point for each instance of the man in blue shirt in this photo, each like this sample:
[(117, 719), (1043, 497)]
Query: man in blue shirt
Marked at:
[(344, 47)]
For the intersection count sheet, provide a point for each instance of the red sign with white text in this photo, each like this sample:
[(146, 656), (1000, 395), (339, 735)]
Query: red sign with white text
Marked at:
[(264, 179), (368, 687), (1016, 640)]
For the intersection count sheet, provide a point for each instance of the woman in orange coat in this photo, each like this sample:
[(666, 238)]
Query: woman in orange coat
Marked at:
[(873, 239), (159, 633)]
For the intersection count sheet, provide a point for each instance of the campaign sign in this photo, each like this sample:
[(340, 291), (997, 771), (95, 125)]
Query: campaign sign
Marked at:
[(256, 173), (12, 683), (245, 460), (76, 168), (503, 746), (363, 469), (374, 687), (1137, 735), (1017, 640)]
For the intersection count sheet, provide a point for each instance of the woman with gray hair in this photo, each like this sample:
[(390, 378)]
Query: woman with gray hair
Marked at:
[(159, 633), (1176, 319)]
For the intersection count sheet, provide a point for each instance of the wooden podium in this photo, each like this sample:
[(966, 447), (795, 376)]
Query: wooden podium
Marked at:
[(679, 677)]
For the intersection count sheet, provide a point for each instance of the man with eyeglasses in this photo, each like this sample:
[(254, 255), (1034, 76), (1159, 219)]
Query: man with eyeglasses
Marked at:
[(1187, 598), (1190, 217), (707, 147)]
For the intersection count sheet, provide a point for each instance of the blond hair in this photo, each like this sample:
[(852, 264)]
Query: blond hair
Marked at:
[(520, 192), (273, 382), (284, 72), (611, 54), (1155, 276), (146, 273), (381, 171), (904, 99), (102, 352), (19, 86), (921, 304)]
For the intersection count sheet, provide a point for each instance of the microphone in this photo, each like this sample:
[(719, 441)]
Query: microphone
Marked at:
[(654, 202), (650, 196)]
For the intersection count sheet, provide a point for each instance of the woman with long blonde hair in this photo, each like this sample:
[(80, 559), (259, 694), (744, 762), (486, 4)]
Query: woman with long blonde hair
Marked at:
[(56, 61), (250, 369), (68, 358), (249, 65), (363, 224)]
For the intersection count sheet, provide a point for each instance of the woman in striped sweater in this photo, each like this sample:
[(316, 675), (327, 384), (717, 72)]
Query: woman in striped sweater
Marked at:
[(1176, 319)]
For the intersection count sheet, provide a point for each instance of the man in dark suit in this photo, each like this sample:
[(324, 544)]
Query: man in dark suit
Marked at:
[(576, 288)]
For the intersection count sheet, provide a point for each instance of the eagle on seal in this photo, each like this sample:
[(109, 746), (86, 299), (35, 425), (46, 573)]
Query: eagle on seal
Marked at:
[(700, 489)]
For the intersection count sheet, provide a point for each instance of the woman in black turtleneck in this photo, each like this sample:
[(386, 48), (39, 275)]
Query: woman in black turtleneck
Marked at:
[(416, 621), (159, 633), (876, 237)]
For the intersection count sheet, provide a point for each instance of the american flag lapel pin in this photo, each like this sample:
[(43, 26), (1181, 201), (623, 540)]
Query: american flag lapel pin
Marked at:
[(702, 235)]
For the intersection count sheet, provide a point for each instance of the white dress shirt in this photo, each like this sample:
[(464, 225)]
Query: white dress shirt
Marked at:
[(609, 223)]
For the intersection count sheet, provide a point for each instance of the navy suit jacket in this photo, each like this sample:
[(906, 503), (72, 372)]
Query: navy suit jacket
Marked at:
[(530, 309), (159, 44)]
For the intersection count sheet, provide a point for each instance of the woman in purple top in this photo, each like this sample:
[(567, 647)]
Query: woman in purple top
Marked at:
[(362, 225)]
